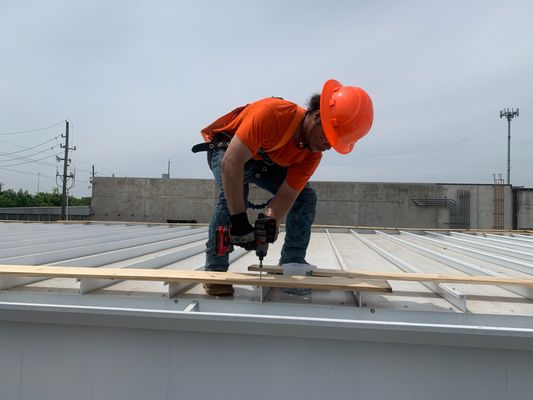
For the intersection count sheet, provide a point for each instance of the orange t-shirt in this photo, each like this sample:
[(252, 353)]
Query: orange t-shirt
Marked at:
[(269, 124)]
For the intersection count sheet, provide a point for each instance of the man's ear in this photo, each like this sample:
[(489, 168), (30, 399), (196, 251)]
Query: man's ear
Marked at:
[(316, 116)]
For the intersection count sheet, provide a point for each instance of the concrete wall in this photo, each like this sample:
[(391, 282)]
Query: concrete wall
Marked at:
[(340, 203), (152, 200), (524, 208), (392, 205)]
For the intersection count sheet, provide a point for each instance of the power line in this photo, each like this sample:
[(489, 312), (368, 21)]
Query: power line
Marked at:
[(82, 170), (33, 161), (27, 173), (96, 165), (30, 130), (26, 157), (27, 148)]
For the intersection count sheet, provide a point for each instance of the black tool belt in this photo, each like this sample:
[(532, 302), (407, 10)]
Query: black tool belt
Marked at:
[(264, 156), (220, 141)]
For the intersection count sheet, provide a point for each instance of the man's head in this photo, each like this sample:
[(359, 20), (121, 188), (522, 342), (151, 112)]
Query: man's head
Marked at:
[(346, 113)]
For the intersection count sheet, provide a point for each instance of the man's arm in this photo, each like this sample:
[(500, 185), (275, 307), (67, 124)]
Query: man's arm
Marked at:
[(233, 162), (282, 202)]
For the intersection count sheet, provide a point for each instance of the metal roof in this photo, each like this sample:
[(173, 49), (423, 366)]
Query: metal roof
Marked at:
[(462, 306)]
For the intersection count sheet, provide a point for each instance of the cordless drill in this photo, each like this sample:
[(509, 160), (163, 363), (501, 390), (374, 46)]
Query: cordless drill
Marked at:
[(265, 230)]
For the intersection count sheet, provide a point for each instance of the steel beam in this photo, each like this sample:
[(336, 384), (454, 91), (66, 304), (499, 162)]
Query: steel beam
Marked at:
[(502, 261), (529, 238), (90, 285), (26, 239), (450, 294), (506, 241), (74, 242), (466, 267), (481, 244), (96, 260), (47, 257), (358, 297)]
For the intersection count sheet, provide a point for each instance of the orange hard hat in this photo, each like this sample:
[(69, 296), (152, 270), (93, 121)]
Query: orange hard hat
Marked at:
[(346, 113)]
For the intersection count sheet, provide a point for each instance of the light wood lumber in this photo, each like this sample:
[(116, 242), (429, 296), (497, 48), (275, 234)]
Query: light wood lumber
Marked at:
[(168, 275), (408, 276)]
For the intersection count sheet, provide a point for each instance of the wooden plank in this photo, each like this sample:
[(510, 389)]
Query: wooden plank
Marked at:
[(406, 276), (308, 282)]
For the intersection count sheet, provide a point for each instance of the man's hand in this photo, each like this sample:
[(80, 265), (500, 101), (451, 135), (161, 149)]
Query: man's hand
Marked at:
[(267, 228), (241, 232)]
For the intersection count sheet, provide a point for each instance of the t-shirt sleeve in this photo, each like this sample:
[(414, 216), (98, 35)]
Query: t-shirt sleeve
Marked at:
[(298, 174), (258, 127)]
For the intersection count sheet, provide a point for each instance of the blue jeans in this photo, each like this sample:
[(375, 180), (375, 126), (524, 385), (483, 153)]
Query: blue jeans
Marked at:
[(297, 223)]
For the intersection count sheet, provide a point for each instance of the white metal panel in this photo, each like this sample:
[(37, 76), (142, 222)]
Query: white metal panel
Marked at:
[(47, 362), (51, 362)]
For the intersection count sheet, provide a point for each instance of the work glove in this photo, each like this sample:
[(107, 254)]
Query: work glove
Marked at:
[(267, 228), (241, 232)]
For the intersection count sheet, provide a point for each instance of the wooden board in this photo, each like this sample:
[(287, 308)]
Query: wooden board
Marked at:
[(407, 276), (168, 275)]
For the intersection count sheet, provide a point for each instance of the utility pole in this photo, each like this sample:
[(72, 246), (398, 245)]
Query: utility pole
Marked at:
[(66, 163), (509, 114), (167, 175), (91, 179)]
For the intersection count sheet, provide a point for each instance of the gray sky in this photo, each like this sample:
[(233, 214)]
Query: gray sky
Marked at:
[(138, 80)]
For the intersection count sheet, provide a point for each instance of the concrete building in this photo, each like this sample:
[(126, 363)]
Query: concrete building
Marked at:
[(431, 205)]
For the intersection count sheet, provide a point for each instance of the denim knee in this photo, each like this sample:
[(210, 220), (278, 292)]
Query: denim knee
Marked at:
[(298, 227)]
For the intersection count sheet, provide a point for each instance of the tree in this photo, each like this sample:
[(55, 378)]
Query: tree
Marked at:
[(21, 198)]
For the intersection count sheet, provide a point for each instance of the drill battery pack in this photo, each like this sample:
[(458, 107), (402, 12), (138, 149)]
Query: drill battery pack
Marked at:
[(224, 245)]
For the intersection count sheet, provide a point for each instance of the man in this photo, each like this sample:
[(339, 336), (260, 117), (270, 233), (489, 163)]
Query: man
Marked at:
[(278, 145)]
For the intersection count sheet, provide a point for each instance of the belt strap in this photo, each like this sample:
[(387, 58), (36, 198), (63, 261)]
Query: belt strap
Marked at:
[(209, 146), (220, 141)]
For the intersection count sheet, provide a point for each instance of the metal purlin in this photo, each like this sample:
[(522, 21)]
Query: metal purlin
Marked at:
[(502, 261), (90, 284), (358, 296), (498, 239), (113, 251), (466, 267), (448, 293), (481, 244)]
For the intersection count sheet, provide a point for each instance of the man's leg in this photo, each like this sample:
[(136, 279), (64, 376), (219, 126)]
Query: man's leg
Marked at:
[(219, 217), (298, 227)]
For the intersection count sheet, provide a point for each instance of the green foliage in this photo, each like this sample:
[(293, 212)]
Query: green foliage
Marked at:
[(21, 198)]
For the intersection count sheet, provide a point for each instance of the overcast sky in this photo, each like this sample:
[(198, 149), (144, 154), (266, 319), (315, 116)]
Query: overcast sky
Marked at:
[(138, 80)]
